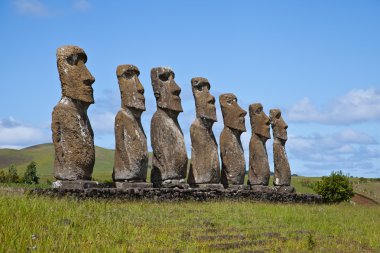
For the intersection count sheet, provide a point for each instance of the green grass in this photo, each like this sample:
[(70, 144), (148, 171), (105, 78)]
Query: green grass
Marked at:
[(65, 225)]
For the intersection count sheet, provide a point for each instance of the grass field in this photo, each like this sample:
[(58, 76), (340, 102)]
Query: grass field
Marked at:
[(40, 224), (62, 225)]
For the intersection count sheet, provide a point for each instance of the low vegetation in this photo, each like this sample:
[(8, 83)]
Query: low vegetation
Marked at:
[(335, 188), (68, 225), (12, 176)]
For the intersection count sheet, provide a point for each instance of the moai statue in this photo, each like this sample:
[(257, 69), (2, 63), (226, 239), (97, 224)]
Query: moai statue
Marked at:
[(259, 172), (282, 175), (73, 137), (131, 151), (231, 150), (205, 167), (169, 150)]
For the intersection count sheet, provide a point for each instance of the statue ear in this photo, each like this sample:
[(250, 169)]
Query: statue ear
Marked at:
[(157, 95)]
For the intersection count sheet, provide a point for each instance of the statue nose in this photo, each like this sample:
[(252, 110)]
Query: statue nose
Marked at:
[(140, 88), (176, 88), (242, 112), (89, 81)]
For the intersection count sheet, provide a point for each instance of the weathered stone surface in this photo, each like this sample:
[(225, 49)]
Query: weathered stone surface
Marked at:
[(262, 188), (175, 194), (168, 144), (205, 166), (128, 185), (131, 150), (238, 187), (259, 172), (173, 183), (76, 184), (282, 174), (285, 189), (231, 150), (207, 186), (73, 137)]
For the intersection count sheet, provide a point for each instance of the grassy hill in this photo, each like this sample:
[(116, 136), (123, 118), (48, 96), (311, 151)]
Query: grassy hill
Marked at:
[(43, 155)]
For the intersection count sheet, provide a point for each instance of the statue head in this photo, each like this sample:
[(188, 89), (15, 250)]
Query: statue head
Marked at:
[(131, 89), (204, 101), (260, 122), (278, 125), (75, 78), (233, 114), (166, 90)]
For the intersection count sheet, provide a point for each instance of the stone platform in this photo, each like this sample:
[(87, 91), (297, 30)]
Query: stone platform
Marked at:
[(129, 185), (175, 194), (77, 184)]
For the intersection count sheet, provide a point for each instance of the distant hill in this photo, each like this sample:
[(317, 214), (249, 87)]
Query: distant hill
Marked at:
[(43, 155)]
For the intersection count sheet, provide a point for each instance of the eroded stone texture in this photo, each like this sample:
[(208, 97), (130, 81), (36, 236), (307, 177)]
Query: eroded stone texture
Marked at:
[(131, 150), (168, 144), (205, 166), (259, 172), (231, 150), (72, 133), (282, 175)]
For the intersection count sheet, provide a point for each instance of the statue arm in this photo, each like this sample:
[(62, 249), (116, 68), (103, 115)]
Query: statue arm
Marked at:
[(120, 138), (56, 128), (157, 132)]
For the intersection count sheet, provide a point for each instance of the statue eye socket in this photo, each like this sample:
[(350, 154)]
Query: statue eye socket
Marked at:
[(128, 74), (278, 115), (73, 59), (200, 87), (164, 77)]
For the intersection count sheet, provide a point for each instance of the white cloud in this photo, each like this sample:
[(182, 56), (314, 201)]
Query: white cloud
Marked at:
[(15, 134), (356, 106), (82, 5), (31, 7), (102, 122), (350, 151)]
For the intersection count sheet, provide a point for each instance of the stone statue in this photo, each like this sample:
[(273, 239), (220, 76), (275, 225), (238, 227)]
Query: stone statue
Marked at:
[(259, 172), (131, 151), (169, 150), (282, 175), (205, 167), (231, 150), (73, 137)]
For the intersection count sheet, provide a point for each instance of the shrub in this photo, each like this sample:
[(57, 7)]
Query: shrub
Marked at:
[(30, 175), (12, 176), (3, 176), (335, 188)]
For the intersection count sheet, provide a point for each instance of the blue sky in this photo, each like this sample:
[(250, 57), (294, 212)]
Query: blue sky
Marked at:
[(318, 61)]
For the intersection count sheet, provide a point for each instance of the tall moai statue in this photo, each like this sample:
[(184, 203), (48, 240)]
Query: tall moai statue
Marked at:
[(131, 150), (73, 137), (231, 150), (259, 172), (205, 166), (168, 144), (282, 175)]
